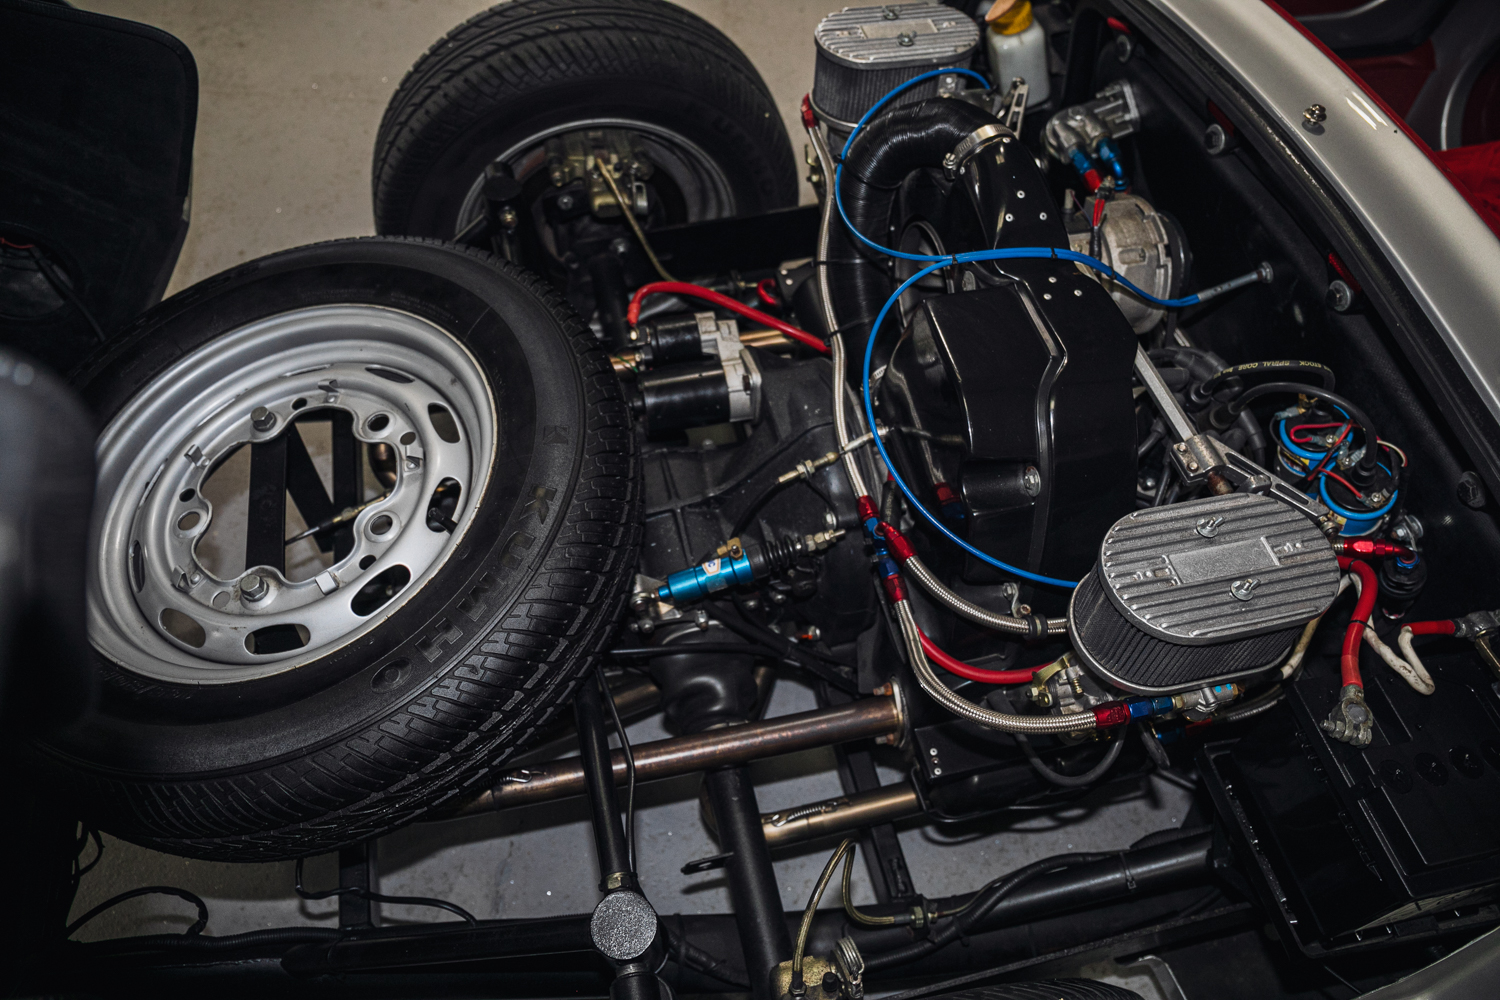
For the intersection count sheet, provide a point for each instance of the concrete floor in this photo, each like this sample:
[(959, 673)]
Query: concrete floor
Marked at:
[(291, 95)]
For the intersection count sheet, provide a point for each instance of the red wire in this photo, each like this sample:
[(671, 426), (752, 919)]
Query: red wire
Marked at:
[(765, 288), (1333, 448), (633, 314), (1444, 626), (1368, 591), (967, 672), (1302, 427), (1347, 485)]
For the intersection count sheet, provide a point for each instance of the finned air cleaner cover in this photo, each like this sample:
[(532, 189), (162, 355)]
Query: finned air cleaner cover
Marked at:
[(1201, 592)]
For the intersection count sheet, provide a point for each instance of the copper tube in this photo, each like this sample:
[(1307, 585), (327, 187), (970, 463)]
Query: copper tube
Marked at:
[(879, 718), (851, 812)]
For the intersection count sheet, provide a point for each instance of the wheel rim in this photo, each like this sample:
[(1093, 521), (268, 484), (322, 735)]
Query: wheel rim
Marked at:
[(161, 600), (704, 187)]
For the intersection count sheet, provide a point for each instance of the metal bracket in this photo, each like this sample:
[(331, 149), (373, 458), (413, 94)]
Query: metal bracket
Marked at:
[(1199, 458), (1012, 107)]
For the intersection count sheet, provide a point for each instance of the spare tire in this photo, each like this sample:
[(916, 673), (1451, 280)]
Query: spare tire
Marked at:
[(264, 700), (498, 87)]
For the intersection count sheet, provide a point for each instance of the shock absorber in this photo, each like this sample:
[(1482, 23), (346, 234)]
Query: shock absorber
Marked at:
[(741, 561)]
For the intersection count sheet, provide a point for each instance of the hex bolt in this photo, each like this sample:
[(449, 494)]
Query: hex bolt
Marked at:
[(1031, 481), (262, 419), (700, 618), (254, 587), (1215, 139)]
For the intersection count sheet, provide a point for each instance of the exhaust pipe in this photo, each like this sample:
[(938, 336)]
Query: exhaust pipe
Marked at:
[(879, 718), (840, 815)]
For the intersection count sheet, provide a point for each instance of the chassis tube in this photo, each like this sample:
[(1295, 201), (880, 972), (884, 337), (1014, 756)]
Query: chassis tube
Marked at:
[(752, 880), (878, 718)]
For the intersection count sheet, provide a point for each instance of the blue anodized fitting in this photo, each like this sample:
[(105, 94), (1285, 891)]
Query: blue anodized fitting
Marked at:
[(697, 582)]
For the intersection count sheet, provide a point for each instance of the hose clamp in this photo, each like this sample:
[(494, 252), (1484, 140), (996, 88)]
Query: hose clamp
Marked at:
[(981, 137)]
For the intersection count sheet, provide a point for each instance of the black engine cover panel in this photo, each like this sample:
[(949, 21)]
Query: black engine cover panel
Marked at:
[(1036, 372)]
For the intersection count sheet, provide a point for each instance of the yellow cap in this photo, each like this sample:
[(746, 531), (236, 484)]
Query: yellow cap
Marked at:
[(1009, 17)]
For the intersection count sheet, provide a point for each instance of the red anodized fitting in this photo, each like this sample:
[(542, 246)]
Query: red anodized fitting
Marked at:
[(1111, 714), (1365, 548), (900, 547)]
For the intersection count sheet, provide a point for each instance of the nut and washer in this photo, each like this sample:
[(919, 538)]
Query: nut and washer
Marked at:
[(1315, 114)]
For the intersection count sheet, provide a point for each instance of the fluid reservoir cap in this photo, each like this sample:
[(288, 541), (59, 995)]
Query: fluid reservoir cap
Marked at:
[(1222, 568), (895, 35), (623, 926)]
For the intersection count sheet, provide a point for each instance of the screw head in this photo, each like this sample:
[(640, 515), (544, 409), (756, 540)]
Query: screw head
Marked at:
[(254, 587), (565, 202), (1031, 481), (262, 419), (1244, 589), (1124, 48), (1208, 527), (1340, 296), (619, 246), (1315, 114), (906, 39)]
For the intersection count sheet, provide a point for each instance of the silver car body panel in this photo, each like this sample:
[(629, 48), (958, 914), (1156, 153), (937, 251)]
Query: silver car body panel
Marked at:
[(1443, 252)]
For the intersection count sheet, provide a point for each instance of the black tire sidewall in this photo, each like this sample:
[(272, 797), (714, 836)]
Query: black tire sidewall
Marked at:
[(435, 208), (528, 347)]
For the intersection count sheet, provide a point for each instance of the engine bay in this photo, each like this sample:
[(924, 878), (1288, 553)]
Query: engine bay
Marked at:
[(1074, 458), (1087, 499)]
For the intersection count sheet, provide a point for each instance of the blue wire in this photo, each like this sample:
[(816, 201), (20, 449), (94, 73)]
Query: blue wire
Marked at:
[(936, 263), (891, 466)]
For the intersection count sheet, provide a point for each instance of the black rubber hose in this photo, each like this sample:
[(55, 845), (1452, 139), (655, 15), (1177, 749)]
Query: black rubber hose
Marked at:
[(884, 153), (1083, 780)]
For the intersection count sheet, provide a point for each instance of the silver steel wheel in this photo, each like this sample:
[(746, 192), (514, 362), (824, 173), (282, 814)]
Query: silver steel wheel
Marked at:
[(705, 189), (161, 607)]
